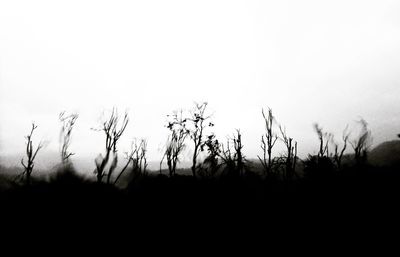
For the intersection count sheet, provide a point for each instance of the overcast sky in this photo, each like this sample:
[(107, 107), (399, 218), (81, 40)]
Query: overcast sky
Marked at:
[(310, 61)]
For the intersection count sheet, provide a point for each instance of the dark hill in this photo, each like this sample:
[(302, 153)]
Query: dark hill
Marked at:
[(386, 154)]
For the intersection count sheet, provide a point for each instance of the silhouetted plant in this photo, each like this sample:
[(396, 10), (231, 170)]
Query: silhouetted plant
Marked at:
[(268, 141), (31, 153), (143, 157), (136, 157), (139, 162), (362, 143), (113, 132), (211, 163), (129, 159), (198, 121), (176, 141), (67, 124), (233, 159), (238, 146), (316, 167), (322, 165), (228, 156), (338, 156), (324, 140), (290, 157)]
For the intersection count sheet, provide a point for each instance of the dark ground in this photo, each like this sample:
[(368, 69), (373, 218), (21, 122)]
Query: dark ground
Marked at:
[(349, 204)]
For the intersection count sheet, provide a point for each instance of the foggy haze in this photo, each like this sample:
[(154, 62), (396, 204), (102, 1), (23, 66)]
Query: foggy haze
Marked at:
[(310, 61)]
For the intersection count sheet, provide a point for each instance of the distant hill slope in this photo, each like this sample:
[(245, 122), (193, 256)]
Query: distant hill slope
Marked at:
[(386, 154)]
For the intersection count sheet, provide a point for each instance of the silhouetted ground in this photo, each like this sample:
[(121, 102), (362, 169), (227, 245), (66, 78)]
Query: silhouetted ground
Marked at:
[(365, 186), (352, 202)]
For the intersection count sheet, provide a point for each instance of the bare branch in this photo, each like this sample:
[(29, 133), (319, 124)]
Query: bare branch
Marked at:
[(198, 124), (362, 143), (290, 157), (31, 154), (67, 124), (268, 141), (113, 130)]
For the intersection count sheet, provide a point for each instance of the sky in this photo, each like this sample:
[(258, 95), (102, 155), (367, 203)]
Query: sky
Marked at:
[(330, 62)]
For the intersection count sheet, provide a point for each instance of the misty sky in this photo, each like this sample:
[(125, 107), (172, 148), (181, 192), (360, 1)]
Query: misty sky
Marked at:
[(330, 62)]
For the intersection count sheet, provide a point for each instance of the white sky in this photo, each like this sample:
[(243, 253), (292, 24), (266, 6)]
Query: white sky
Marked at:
[(311, 61)]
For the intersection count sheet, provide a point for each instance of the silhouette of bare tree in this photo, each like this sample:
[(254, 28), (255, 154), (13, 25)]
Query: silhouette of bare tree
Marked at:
[(362, 143), (228, 156), (67, 124), (268, 141), (290, 157), (176, 141), (31, 153), (198, 121), (113, 130), (338, 156), (233, 159), (324, 140), (238, 146), (136, 157), (211, 163)]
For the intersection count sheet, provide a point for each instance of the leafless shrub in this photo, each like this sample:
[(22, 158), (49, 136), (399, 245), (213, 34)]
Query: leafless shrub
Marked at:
[(290, 157), (325, 139), (198, 124), (136, 158), (31, 153), (211, 163), (113, 130), (175, 142), (67, 124), (338, 156), (362, 143), (268, 141), (232, 155)]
